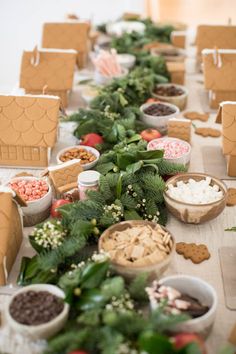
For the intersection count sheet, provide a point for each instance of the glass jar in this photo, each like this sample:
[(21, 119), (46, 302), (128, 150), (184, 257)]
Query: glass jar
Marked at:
[(87, 180)]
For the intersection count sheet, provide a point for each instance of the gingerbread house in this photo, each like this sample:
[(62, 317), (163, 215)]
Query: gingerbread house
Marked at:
[(227, 116), (219, 68), (28, 129), (68, 35), (64, 177), (213, 36), (50, 68), (11, 230)]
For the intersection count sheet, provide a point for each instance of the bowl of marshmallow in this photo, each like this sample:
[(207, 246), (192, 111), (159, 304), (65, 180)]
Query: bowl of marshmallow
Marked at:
[(195, 197)]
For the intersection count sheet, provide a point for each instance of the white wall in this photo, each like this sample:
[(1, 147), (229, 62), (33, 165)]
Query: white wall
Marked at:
[(21, 23)]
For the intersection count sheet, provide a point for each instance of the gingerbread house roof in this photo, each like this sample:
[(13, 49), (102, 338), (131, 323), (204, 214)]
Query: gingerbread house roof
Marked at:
[(29, 120), (66, 35), (211, 36), (51, 67)]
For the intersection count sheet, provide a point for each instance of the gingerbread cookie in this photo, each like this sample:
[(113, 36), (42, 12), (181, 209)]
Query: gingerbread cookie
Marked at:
[(197, 116), (24, 174), (196, 253), (231, 197), (214, 133)]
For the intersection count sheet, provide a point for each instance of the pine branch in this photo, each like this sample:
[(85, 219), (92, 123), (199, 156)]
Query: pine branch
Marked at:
[(51, 260), (167, 168)]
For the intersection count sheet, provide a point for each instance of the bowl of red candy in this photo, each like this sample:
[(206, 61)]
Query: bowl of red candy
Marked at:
[(37, 194)]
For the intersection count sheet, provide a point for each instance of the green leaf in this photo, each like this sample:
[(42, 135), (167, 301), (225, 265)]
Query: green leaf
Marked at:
[(134, 139), (137, 287), (31, 268), (104, 168), (154, 343), (93, 274), (38, 248), (112, 287), (25, 262), (150, 155), (70, 279), (134, 167), (90, 299), (125, 159), (231, 229)]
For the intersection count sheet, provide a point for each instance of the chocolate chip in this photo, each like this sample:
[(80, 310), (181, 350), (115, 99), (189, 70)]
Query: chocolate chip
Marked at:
[(159, 109), (168, 91), (35, 307)]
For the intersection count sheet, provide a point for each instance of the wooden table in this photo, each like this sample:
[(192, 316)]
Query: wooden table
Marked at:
[(211, 233)]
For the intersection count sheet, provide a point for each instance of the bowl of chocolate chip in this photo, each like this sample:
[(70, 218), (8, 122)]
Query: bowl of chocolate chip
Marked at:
[(156, 115), (172, 93), (138, 246), (185, 294), (37, 311)]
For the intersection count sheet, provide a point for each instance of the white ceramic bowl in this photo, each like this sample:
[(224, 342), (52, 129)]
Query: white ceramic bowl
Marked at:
[(179, 101), (183, 159), (105, 80), (86, 166), (126, 60), (45, 330), (200, 290), (158, 122), (39, 205)]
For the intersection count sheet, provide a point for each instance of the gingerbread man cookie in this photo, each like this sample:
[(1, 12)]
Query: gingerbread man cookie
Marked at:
[(204, 131), (196, 253), (197, 116)]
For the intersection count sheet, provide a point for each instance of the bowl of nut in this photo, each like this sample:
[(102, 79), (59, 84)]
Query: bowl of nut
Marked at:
[(87, 155), (137, 246)]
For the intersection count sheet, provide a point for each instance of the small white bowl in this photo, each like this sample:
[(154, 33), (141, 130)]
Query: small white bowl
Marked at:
[(183, 159), (158, 122), (105, 80), (200, 290), (39, 205), (86, 166), (45, 330), (126, 60)]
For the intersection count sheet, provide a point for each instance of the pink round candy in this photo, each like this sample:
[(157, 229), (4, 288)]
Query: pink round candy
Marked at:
[(172, 148), (30, 190)]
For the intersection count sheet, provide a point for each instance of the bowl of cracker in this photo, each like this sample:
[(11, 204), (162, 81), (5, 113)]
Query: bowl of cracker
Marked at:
[(138, 246)]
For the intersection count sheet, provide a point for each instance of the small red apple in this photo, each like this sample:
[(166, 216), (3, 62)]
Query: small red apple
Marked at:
[(150, 134), (58, 203), (92, 139), (152, 100), (182, 339)]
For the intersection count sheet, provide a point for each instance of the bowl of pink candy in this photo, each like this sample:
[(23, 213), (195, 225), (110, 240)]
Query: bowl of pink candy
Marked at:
[(37, 193), (175, 150)]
